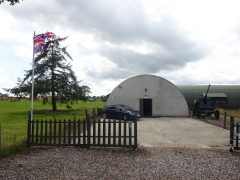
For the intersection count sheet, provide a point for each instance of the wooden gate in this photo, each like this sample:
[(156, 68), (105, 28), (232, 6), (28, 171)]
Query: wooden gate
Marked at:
[(89, 132)]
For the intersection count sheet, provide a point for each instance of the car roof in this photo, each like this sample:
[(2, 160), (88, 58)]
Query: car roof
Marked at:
[(107, 106), (116, 105), (122, 105)]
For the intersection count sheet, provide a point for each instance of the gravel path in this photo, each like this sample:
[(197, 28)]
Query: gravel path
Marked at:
[(145, 163)]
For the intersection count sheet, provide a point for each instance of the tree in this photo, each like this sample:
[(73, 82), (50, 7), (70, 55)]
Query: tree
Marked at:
[(22, 90), (12, 2), (53, 76)]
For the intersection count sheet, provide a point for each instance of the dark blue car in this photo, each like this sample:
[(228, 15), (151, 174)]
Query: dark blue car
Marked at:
[(118, 112), (137, 113)]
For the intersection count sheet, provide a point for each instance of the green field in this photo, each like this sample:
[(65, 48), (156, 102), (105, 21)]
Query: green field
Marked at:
[(14, 116), (235, 113)]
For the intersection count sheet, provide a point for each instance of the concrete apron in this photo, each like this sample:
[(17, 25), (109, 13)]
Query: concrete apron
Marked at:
[(180, 132)]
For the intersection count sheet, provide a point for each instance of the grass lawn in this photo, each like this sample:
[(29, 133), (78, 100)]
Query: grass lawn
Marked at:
[(14, 116), (235, 113)]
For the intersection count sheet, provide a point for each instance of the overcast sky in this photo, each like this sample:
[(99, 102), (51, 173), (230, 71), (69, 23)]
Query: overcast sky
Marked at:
[(185, 42)]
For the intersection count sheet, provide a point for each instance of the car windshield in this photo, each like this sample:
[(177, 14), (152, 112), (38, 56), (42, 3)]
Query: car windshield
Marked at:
[(125, 107)]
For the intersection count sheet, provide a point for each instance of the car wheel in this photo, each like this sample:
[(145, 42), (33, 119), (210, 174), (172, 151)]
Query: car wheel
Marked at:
[(104, 115)]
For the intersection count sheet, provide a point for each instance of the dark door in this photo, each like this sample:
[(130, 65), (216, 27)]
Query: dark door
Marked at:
[(146, 107)]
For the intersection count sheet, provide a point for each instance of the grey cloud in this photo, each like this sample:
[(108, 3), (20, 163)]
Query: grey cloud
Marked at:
[(127, 26), (133, 63), (114, 21), (123, 22)]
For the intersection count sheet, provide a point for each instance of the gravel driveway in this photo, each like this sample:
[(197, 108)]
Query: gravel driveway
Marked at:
[(145, 163)]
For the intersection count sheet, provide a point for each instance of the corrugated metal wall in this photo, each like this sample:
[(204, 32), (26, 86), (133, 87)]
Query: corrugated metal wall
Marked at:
[(165, 97), (191, 92)]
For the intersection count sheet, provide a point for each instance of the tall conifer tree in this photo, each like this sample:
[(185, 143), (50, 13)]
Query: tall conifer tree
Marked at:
[(53, 76)]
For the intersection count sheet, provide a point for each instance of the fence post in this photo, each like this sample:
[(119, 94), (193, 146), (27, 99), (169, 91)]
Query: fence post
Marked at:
[(29, 131), (237, 134), (37, 135), (135, 133), (74, 132), (114, 132), (59, 132), (54, 131), (69, 132), (0, 136), (99, 131), (104, 132), (88, 128), (79, 129), (46, 131), (225, 120), (50, 131), (125, 133), (41, 132), (89, 131), (231, 148), (84, 132), (109, 132), (130, 133), (64, 131), (119, 132), (94, 130)]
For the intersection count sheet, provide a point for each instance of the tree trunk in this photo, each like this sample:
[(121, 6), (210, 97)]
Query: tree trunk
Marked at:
[(54, 101)]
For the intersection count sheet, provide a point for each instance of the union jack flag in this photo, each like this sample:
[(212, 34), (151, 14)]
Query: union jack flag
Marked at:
[(39, 42), (49, 34)]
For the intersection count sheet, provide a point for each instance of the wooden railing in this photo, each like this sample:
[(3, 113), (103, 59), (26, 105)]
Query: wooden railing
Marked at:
[(89, 132)]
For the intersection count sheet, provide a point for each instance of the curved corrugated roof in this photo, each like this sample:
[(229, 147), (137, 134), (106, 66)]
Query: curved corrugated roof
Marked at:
[(223, 95), (215, 87), (232, 92)]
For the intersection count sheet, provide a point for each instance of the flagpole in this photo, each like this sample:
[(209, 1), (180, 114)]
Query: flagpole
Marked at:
[(33, 65)]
